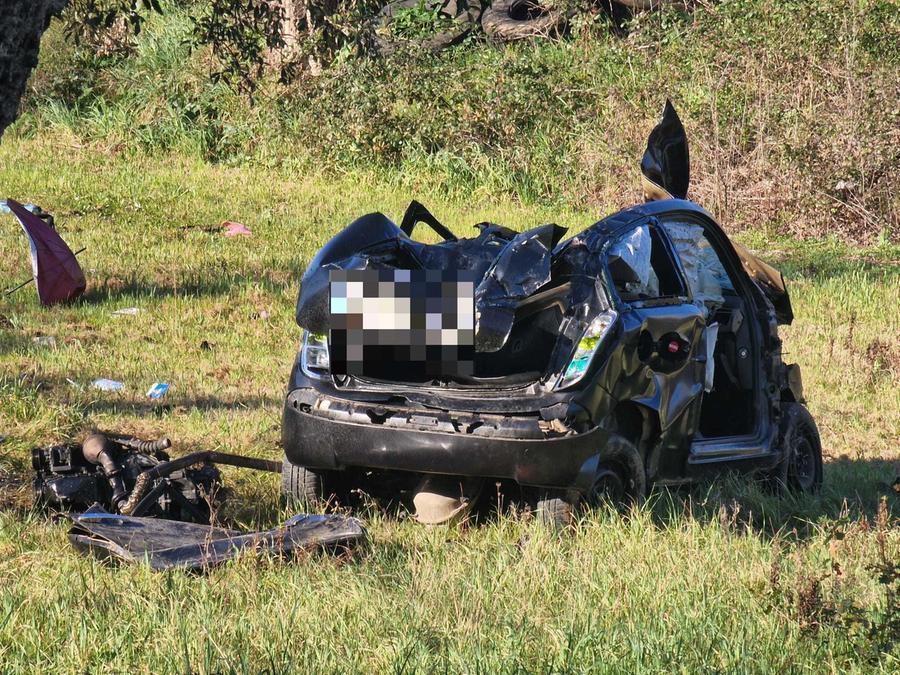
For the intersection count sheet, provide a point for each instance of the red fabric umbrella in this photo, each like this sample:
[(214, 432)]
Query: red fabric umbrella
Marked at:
[(56, 271)]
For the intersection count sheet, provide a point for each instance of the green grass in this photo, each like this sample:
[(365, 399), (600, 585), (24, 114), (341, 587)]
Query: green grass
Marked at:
[(140, 158), (791, 107), (718, 578)]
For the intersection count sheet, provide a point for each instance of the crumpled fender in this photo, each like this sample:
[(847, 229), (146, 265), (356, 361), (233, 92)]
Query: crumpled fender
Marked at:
[(522, 267)]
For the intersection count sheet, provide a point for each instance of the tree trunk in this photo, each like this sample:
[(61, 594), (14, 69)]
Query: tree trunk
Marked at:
[(291, 12), (22, 22)]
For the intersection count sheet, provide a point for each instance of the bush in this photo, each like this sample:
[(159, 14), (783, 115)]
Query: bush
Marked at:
[(777, 97)]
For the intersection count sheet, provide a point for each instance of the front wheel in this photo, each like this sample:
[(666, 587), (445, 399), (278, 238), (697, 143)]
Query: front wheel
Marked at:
[(800, 468), (556, 508), (620, 479)]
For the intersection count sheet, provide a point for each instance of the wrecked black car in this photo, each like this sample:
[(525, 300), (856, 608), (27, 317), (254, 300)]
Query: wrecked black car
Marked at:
[(643, 350)]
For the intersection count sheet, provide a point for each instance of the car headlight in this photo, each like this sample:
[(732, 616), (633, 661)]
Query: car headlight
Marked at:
[(591, 340), (314, 359)]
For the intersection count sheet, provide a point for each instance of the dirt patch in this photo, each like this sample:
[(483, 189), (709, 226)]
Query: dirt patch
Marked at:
[(884, 356)]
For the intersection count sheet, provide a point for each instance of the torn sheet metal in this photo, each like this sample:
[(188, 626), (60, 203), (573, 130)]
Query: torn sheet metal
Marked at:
[(507, 266), (770, 280), (170, 544), (522, 267), (666, 162)]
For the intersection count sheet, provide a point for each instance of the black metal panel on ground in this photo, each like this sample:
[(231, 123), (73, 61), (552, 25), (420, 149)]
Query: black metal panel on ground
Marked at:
[(170, 544)]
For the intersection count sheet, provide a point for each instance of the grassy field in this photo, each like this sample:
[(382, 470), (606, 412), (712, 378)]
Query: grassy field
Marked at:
[(791, 107), (722, 577)]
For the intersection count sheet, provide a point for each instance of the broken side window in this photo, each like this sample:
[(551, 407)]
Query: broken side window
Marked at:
[(706, 275), (642, 268)]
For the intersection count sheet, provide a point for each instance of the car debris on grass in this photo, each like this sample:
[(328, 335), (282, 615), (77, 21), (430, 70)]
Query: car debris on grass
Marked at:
[(105, 469), (106, 384), (158, 390), (233, 229), (55, 269), (171, 544), (139, 504), (642, 350)]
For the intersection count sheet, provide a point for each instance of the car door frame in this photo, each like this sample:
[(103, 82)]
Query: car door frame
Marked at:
[(756, 445)]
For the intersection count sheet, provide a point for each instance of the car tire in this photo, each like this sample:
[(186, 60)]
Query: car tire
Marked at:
[(313, 489), (620, 479), (555, 509), (800, 468), (509, 20), (465, 15)]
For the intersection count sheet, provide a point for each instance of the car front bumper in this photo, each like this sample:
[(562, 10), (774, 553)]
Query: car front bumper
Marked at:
[(322, 432)]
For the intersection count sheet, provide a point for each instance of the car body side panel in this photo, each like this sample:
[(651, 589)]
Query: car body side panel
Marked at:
[(665, 385), (669, 395)]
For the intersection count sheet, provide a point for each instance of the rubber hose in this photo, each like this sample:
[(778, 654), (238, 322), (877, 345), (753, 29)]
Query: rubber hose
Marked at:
[(143, 482), (148, 447), (99, 450)]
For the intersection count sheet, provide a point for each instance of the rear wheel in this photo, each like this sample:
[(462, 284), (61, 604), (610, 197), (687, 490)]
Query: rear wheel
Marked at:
[(800, 469), (313, 488), (619, 480)]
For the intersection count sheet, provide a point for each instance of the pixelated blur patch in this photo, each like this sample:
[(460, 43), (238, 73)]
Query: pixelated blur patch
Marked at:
[(402, 325)]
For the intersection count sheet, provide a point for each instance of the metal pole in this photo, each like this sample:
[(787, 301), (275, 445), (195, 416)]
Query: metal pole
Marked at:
[(25, 283)]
